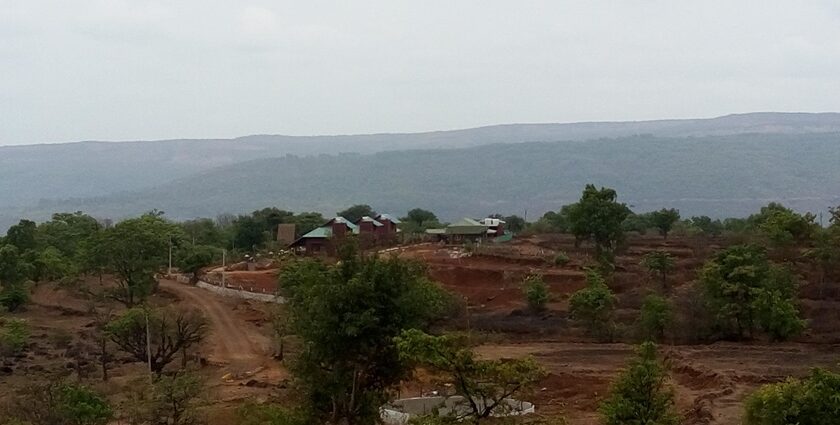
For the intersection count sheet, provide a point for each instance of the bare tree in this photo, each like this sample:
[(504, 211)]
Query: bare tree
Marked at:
[(169, 330)]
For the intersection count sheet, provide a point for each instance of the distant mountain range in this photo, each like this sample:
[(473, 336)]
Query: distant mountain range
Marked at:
[(724, 166)]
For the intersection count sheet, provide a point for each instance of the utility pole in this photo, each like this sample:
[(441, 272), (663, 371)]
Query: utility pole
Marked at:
[(148, 342), (170, 256), (224, 253)]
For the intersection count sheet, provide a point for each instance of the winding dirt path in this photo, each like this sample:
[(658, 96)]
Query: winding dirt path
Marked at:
[(232, 341)]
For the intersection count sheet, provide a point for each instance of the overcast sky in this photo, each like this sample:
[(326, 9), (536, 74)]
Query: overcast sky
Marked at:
[(135, 69)]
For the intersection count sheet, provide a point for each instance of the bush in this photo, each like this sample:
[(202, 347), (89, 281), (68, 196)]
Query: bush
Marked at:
[(641, 394), (13, 297), (256, 414), (13, 336), (808, 401), (656, 315), (745, 291), (561, 259), (593, 306), (536, 293), (61, 403)]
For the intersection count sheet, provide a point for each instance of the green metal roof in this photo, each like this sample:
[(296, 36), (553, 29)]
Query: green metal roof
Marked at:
[(466, 226), (321, 232)]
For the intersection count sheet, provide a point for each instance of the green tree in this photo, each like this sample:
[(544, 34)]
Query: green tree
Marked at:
[(558, 221), (659, 263), (484, 384), (347, 316), (307, 221), (744, 292), (134, 250), (656, 315), (170, 331), (664, 219), (641, 395), (192, 258), (593, 306), (66, 232), (22, 235), (784, 227), (13, 273), (356, 212), (825, 253), (176, 399), (536, 293), (598, 217), (248, 233), (707, 225), (51, 264), (420, 217), (204, 231), (637, 223), (810, 401)]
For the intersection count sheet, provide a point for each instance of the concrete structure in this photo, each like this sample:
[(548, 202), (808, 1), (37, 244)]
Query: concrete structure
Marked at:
[(399, 412), (285, 233)]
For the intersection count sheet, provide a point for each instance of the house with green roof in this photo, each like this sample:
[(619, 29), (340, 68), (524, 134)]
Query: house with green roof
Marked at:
[(465, 229), (322, 240)]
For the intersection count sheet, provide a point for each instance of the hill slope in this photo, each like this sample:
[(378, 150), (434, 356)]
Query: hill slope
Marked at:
[(714, 175), (89, 169)]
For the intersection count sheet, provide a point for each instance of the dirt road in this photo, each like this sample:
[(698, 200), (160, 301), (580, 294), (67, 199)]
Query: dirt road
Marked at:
[(233, 341)]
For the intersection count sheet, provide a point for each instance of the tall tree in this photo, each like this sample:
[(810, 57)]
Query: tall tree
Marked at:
[(664, 220), (134, 250), (418, 220), (641, 395), (660, 263), (356, 212), (598, 217), (347, 316), (248, 233)]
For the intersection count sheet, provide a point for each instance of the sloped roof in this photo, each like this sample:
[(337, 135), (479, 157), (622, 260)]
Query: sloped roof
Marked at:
[(320, 232), (466, 226), (367, 219), (388, 217)]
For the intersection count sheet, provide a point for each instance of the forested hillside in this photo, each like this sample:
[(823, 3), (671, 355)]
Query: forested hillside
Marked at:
[(89, 169), (719, 176)]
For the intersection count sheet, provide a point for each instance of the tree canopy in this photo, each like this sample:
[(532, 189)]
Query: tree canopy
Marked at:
[(347, 316), (598, 217), (745, 292)]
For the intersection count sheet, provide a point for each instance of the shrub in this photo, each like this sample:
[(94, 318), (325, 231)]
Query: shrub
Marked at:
[(641, 394), (536, 293), (593, 306), (656, 315), (808, 401), (744, 292), (58, 403), (13, 297), (256, 414), (13, 336), (561, 259)]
